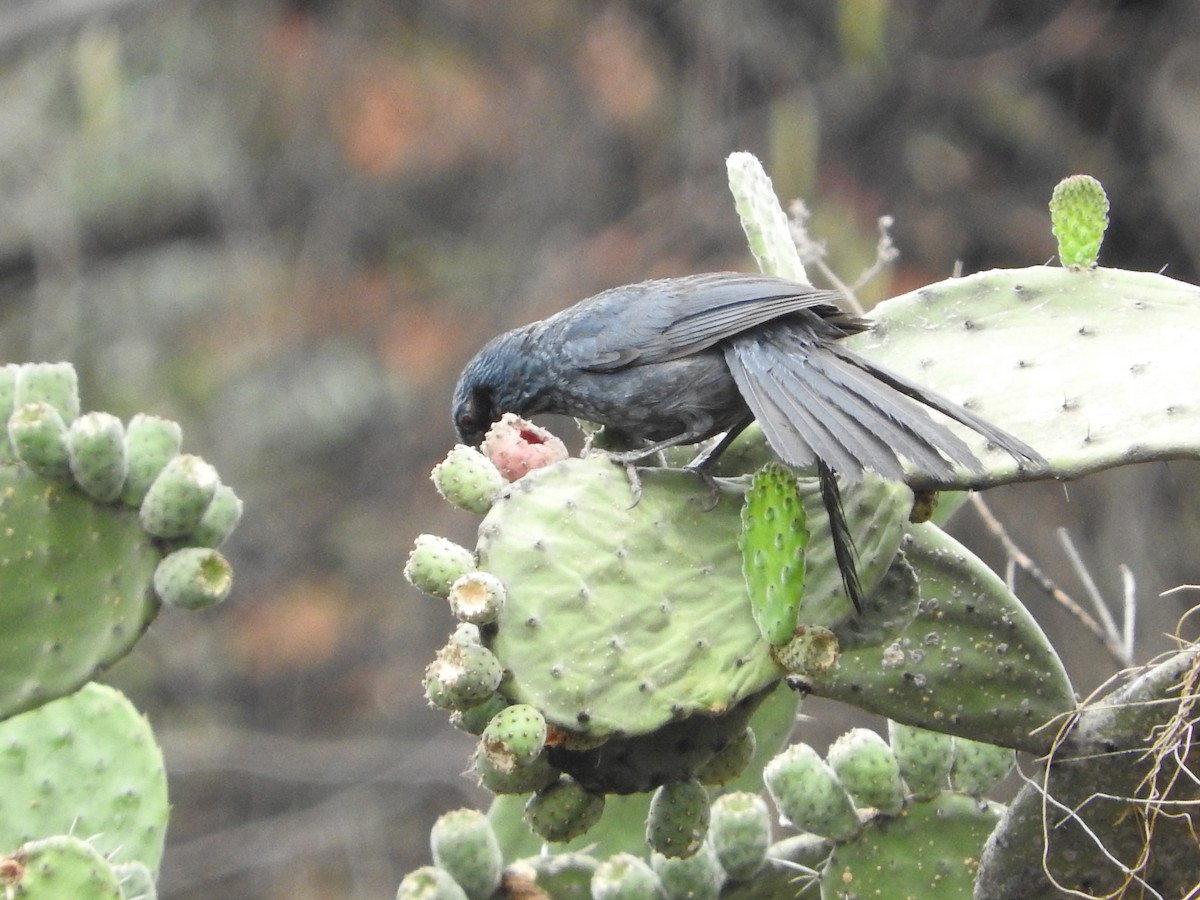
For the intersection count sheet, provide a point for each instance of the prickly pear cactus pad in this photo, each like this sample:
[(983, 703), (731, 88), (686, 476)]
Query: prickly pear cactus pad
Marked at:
[(86, 764), (59, 867), (1088, 366), (623, 617)]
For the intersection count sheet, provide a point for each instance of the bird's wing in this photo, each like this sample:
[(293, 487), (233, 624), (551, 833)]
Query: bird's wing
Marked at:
[(656, 321)]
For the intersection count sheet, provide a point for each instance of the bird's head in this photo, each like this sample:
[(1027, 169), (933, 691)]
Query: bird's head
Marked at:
[(492, 385)]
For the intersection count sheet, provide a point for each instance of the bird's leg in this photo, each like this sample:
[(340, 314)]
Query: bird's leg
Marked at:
[(702, 464), (630, 458)]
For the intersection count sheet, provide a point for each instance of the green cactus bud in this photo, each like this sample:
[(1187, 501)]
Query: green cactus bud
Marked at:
[(925, 758), (465, 846), (52, 383), (695, 877), (39, 438), (466, 633), (1078, 218), (524, 779), (566, 875), (57, 868), (8, 392), (179, 496), (514, 737), (809, 795), (474, 719), (813, 651), (462, 675), (429, 883), (740, 833), (136, 881), (563, 810), (96, 449), (220, 518), (150, 443), (864, 764), (772, 541), (193, 578), (477, 597), (436, 563), (730, 761), (625, 877), (763, 221), (678, 818), (979, 766), (468, 479)]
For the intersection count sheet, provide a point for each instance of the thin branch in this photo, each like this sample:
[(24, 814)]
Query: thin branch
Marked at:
[(1089, 585)]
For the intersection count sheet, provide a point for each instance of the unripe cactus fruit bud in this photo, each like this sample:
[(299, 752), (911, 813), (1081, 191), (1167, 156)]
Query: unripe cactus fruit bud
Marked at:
[(864, 764), (730, 761), (978, 766), (52, 383), (150, 443), (1079, 217), (176, 501), (429, 883), (514, 737), (809, 795), (563, 811), (624, 877), (517, 446), (435, 563), (740, 833), (193, 578), (462, 675), (96, 448), (468, 479), (925, 758), (523, 779), (696, 877), (813, 651), (475, 718), (678, 818), (220, 518), (464, 844), (477, 597), (39, 439)]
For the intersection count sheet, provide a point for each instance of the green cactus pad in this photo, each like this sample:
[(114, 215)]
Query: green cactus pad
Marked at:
[(150, 443), (465, 846), (979, 766), (808, 793), (38, 436), (179, 496), (96, 446), (75, 578), (429, 883), (1078, 217), (864, 764), (740, 833), (972, 663), (931, 852), (925, 758), (62, 867), (625, 877), (765, 224), (622, 617), (772, 541), (1075, 363), (193, 578), (678, 819), (85, 764)]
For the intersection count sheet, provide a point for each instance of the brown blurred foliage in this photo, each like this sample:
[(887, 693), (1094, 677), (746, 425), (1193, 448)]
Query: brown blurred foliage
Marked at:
[(287, 224)]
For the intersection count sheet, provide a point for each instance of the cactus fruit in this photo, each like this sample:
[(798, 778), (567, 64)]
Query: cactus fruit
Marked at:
[(925, 758), (219, 520), (766, 227), (465, 846), (468, 479), (85, 764), (979, 766), (38, 436), (563, 810), (462, 675), (696, 877), (625, 877), (772, 541), (429, 883), (809, 795), (150, 443), (516, 447), (864, 764), (532, 776), (57, 868), (178, 497), (678, 818), (435, 563), (514, 737), (96, 451), (193, 578), (477, 597), (55, 384), (730, 761), (474, 719), (740, 833), (1078, 217)]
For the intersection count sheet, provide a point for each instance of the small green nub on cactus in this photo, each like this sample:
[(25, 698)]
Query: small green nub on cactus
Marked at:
[(475, 718), (519, 780), (179, 496), (740, 833), (150, 443), (53, 383), (429, 883), (563, 810), (462, 675), (464, 844), (864, 764), (979, 766), (925, 758), (625, 877), (678, 818), (730, 761), (39, 438), (436, 563), (1078, 217), (809, 795), (696, 877), (772, 541), (477, 597), (514, 737), (193, 578), (219, 519), (96, 449), (468, 479)]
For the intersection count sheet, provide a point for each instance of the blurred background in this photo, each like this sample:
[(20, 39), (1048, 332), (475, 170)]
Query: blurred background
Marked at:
[(288, 224)]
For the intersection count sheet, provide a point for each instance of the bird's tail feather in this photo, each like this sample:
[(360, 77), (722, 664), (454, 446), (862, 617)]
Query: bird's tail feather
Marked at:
[(839, 531)]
